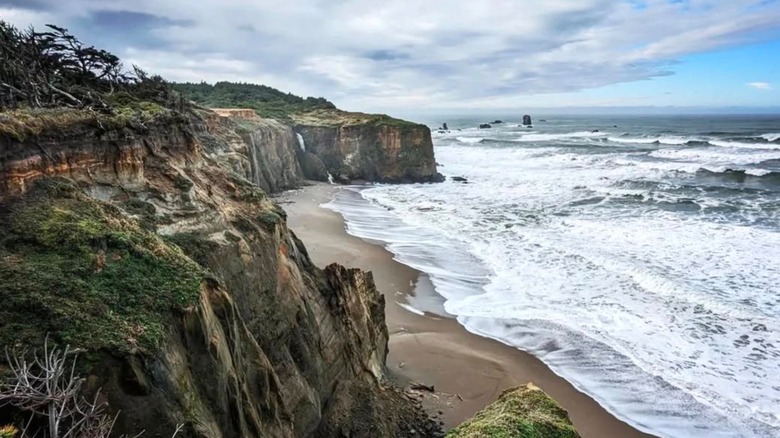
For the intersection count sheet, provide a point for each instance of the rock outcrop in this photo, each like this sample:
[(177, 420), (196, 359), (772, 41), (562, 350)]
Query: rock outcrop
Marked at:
[(271, 147), (527, 120), (151, 250), (355, 146), (523, 412)]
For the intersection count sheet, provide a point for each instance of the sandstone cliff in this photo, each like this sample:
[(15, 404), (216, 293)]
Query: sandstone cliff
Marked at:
[(271, 148), (178, 278), (355, 146)]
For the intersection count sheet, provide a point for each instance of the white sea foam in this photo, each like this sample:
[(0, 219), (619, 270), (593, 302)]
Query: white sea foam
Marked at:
[(733, 156), (693, 167), (561, 136), (771, 137), (738, 144), (658, 299), (652, 140), (410, 308), (470, 140)]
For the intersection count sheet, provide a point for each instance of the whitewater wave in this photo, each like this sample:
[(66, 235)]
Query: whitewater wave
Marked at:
[(739, 144), (766, 141), (672, 166), (530, 317), (758, 143), (654, 140), (554, 137), (470, 140)]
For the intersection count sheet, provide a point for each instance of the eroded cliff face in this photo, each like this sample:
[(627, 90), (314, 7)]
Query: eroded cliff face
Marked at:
[(256, 340), (367, 147), (271, 148)]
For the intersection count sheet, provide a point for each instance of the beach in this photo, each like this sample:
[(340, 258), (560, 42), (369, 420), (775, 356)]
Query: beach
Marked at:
[(467, 371)]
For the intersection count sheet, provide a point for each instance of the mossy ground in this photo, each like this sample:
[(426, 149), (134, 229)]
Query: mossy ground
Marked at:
[(81, 272), (344, 118), (525, 412), (23, 124)]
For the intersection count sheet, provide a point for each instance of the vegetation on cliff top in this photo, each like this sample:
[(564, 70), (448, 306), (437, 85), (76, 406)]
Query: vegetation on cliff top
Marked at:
[(346, 118), (50, 80), (274, 104), (266, 101), (81, 271), (54, 69), (525, 412)]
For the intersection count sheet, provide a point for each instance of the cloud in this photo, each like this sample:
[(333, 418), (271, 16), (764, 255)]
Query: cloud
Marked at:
[(368, 55), (760, 85)]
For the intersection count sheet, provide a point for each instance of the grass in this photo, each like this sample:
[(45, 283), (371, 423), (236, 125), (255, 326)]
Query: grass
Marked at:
[(23, 124), (344, 118), (8, 432), (525, 412), (82, 272)]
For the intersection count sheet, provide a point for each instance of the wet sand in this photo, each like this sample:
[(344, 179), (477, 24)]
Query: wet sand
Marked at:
[(467, 371)]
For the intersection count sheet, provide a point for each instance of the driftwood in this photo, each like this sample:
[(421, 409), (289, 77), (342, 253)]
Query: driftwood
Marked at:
[(417, 386)]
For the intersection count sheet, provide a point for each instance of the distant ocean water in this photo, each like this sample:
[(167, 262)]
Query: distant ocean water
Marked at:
[(640, 262)]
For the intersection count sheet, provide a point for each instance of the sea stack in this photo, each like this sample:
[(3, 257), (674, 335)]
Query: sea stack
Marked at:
[(527, 120)]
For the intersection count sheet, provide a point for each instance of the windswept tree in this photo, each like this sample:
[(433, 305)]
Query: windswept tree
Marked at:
[(55, 69)]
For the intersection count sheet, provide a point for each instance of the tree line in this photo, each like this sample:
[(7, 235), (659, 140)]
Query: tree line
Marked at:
[(266, 101)]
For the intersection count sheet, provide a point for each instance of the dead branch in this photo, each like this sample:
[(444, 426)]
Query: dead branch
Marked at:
[(45, 385)]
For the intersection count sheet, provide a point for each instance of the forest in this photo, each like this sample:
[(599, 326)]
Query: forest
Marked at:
[(266, 101)]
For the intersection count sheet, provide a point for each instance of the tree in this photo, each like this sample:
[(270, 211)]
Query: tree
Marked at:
[(55, 69), (48, 389)]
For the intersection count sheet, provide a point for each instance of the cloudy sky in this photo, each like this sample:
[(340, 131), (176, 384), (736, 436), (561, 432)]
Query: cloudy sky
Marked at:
[(447, 54)]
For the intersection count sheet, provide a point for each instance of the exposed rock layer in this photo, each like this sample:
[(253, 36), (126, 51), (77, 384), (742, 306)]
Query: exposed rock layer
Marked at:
[(269, 345), (372, 148)]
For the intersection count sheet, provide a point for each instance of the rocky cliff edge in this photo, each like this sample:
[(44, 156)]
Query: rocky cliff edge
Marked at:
[(148, 248)]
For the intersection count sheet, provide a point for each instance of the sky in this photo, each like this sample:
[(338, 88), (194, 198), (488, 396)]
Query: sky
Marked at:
[(448, 55)]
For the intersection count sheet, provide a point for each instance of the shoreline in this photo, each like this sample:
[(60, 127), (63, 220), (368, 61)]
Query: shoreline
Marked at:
[(467, 371)]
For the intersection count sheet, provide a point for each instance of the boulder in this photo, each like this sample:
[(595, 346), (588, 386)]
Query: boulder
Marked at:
[(527, 120), (519, 413), (485, 126)]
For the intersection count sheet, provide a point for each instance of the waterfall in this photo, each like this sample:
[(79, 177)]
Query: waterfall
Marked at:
[(253, 155), (330, 179), (301, 143)]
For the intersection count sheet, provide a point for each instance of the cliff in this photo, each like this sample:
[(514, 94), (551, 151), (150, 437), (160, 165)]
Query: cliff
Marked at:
[(346, 145), (262, 150), (149, 248), (356, 146), (525, 412)]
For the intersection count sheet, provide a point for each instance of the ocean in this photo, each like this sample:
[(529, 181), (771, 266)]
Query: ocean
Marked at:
[(638, 257)]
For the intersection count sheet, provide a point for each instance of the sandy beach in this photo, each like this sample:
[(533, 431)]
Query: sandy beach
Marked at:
[(467, 371)]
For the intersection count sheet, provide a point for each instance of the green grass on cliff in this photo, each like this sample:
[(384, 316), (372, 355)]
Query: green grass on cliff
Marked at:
[(22, 124), (346, 118), (525, 412), (78, 270), (266, 101)]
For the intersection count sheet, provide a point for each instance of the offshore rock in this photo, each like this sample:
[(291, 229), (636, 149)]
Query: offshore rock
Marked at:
[(527, 120)]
